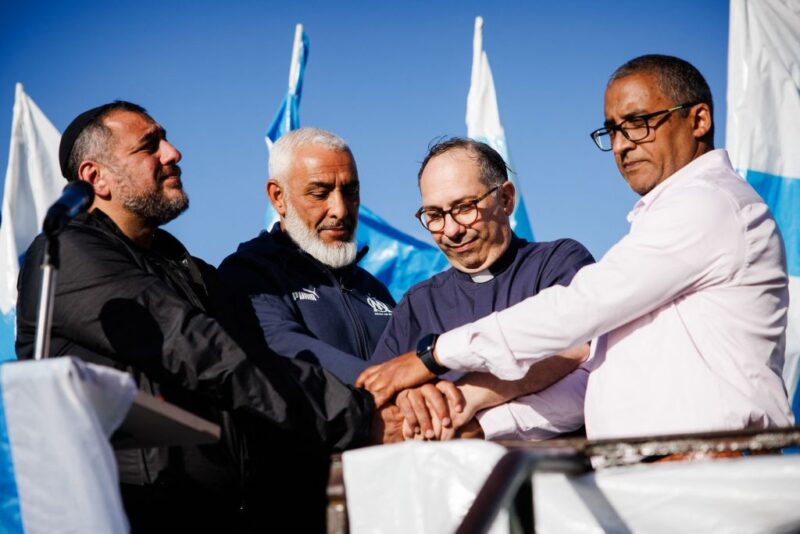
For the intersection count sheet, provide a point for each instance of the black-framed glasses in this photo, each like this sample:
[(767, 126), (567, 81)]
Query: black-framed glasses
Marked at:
[(635, 129), (464, 213)]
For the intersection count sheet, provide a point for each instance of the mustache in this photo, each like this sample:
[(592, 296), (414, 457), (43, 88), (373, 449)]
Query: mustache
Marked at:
[(170, 170), (340, 224)]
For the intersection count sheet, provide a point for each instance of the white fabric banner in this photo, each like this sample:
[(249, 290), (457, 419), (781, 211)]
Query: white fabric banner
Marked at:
[(763, 130), (420, 487), (59, 416), (483, 123), (755, 494), (33, 183)]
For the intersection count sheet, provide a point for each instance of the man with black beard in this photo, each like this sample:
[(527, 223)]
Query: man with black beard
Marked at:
[(311, 298), (130, 296)]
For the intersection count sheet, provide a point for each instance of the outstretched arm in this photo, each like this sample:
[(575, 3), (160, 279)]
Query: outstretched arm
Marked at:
[(439, 411)]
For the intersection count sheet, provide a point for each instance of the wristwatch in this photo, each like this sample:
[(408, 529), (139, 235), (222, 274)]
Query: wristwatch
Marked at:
[(425, 353)]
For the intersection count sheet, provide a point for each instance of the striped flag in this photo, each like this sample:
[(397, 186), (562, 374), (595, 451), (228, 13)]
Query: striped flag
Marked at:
[(763, 132), (57, 469), (483, 123), (288, 116), (33, 183)]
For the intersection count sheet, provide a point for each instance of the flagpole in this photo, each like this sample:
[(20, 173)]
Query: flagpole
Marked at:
[(294, 70)]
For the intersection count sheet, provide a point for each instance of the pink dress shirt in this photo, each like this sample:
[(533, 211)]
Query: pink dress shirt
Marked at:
[(689, 310)]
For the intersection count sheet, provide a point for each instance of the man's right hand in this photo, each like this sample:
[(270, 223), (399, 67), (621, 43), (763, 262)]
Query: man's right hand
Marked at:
[(386, 379)]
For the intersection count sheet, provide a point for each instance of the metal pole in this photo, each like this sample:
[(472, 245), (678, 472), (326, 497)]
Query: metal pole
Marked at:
[(46, 297)]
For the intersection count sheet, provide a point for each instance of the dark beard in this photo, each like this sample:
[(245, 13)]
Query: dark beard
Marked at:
[(155, 208)]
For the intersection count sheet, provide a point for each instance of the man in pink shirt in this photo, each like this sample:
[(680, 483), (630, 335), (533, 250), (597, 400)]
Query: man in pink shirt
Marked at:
[(688, 311)]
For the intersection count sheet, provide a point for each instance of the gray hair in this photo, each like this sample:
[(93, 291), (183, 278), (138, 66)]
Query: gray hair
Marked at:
[(282, 152), (93, 141)]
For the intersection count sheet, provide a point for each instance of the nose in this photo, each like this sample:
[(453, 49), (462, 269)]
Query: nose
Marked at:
[(452, 228), (337, 205), (169, 154), (620, 143)]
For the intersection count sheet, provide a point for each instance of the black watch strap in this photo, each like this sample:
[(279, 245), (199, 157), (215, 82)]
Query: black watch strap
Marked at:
[(425, 353)]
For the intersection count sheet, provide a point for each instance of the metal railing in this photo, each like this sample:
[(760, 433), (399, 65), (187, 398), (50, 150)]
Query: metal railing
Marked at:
[(573, 457)]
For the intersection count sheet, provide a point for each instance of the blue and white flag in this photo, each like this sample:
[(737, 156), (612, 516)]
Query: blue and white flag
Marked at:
[(288, 116), (57, 469), (33, 183), (396, 259), (483, 123), (763, 132)]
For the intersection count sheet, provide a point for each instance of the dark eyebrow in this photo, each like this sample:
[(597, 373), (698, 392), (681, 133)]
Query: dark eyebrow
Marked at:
[(155, 134)]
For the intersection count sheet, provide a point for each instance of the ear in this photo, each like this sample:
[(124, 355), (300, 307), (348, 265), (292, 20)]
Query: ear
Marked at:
[(508, 195), (94, 173), (701, 121), (276, 196)]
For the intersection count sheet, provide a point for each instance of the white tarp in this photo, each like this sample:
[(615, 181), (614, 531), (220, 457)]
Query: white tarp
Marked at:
[(754, 494), (420, 487), (59, 415), (428, 487)]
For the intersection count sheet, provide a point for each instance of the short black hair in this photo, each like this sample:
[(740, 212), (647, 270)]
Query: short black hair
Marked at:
[(679, 80), (494, 170), (87, 134)]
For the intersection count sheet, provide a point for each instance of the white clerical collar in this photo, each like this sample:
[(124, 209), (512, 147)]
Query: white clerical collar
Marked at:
[(481, 277)]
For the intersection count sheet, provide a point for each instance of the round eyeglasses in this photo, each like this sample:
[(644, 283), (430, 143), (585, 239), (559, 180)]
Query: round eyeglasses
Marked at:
[(464, 213)]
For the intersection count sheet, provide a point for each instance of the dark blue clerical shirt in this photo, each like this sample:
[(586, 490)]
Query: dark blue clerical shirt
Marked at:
[(453, 298)]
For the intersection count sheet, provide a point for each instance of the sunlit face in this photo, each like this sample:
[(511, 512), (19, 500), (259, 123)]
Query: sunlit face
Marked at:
[(145, 178), (673, 139), (452, 178), (323, 191)]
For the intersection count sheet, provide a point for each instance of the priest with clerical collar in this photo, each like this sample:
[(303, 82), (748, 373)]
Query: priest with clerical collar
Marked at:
[(467, 201)]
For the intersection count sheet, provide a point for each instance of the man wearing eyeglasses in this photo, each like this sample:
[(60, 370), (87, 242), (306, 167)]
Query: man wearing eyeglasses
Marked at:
[(689, 309), (467, 199)]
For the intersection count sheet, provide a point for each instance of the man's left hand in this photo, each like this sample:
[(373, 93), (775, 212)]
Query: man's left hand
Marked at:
[(386, 379)]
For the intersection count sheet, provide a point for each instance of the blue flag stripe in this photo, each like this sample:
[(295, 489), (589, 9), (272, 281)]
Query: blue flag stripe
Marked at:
[(10, 514), (782, 195), (7, 351)]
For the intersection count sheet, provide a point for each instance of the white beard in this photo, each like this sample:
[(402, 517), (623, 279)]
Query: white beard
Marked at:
[(334, 255)]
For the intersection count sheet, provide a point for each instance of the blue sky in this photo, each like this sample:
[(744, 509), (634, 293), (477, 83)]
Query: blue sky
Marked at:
[(388, 78)]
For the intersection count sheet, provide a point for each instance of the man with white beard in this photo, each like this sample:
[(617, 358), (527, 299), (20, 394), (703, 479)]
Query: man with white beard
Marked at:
[(311, 298)]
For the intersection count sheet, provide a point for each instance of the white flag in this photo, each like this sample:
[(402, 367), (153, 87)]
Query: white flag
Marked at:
[(33, 183), (483, 123), (763, 132)]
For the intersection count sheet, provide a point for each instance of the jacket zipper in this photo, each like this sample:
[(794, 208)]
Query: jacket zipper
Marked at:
[(361, 335)]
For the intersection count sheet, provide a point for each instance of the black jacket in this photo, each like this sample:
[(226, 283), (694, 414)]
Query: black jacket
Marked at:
[(307, 310), (164, 315)]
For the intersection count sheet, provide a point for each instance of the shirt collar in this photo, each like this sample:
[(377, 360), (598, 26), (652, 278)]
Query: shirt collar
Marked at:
[(502, 263), (693, 168), (481, 277)]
